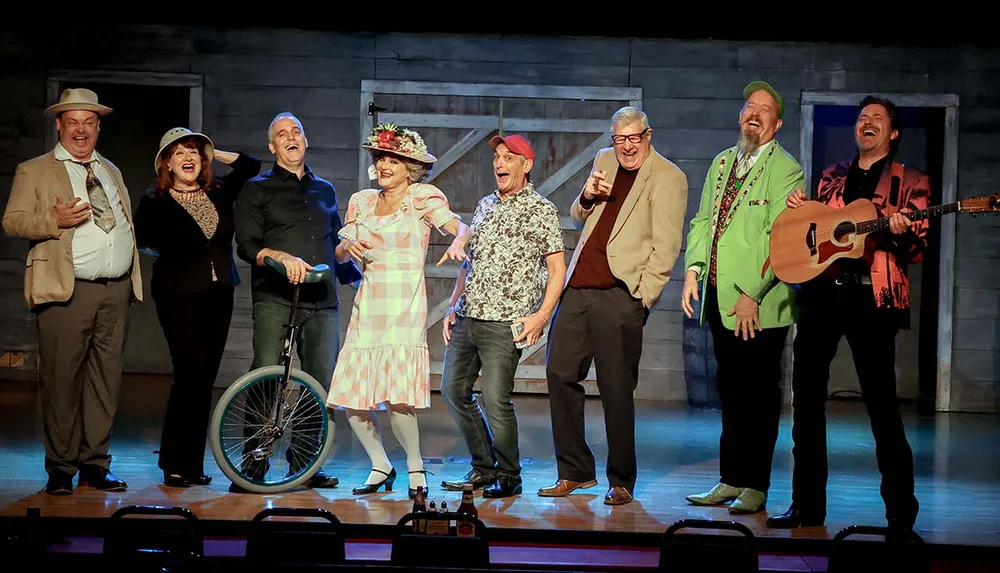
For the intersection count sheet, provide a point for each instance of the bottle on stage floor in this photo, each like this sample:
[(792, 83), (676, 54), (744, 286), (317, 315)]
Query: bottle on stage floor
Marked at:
[(447, 524), (419, 506), (467, 528)]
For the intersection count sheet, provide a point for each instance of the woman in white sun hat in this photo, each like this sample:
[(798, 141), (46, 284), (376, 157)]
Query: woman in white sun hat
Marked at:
[(186, 221)]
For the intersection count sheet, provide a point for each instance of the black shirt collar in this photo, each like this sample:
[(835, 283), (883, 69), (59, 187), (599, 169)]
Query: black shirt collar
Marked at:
[(874, 168), (283, 174)]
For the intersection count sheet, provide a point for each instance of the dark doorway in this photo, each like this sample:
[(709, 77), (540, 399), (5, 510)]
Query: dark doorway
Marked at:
[(130, 138), (921, 146)]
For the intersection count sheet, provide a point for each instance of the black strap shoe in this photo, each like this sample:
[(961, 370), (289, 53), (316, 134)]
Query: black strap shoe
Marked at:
[(412, 492), (367, 488), (476, 479)]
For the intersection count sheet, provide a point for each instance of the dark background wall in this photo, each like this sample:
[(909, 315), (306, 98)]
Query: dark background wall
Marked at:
[(691, 91)]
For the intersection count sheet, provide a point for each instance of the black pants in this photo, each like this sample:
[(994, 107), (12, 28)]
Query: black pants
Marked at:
[(749, 379), (828, 313), (603, 327), (196, 327)]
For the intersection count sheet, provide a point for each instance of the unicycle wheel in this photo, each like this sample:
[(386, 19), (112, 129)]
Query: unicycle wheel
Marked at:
[(265, 453)]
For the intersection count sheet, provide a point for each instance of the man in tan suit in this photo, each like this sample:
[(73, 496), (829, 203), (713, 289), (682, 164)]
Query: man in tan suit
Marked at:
[(632, 211), (81, 274)]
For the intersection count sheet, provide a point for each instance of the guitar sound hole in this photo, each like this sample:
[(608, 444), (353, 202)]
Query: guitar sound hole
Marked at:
[(843, 231)]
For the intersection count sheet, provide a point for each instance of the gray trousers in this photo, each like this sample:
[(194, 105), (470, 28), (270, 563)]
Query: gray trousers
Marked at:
[(80, 346)]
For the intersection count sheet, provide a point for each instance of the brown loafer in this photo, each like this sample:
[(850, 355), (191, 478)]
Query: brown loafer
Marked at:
[(617, 496), (565, 487)]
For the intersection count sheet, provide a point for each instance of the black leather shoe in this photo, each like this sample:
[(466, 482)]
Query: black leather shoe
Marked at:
[(374, 487), (320, 480), (101, 478), (200, 479), (60, 483), (175, 480), (478, 481), (504, 486), (794, 518)]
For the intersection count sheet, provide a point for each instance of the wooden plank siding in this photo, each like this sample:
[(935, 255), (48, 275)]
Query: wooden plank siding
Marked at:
[(690, 89)]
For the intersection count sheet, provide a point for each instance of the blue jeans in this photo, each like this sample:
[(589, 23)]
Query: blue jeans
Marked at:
[(317, 344), (492, 439)]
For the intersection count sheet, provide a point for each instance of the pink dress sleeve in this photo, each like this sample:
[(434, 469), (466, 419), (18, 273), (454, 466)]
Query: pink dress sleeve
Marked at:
[(432, 206), (352, 209)]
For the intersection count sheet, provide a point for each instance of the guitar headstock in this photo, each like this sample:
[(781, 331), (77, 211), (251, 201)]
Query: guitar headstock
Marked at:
[(981, 204)]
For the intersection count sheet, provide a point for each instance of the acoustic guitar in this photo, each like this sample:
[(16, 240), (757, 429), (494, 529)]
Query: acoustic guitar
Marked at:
[(807, 240)]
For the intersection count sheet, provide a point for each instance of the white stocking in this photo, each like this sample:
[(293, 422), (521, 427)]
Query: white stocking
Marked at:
[(403, 420), (365, 426)]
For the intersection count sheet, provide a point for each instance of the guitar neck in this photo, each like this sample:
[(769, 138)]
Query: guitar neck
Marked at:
[(881, 223)]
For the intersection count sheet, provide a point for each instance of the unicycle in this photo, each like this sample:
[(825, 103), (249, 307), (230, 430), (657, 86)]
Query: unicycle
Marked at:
[(270, 431)]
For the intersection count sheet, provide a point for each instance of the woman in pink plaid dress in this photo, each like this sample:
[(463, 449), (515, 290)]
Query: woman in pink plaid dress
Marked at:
[(384, 363)]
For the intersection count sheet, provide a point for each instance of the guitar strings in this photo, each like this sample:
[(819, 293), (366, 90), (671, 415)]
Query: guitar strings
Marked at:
[(883, 222)]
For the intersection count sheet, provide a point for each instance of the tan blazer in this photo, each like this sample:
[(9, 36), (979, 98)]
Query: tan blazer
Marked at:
[(647, 234), (48, 273)]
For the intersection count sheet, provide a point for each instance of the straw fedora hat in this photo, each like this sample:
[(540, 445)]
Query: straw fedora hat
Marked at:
[(78, 98), (180, 133), (400, 141)]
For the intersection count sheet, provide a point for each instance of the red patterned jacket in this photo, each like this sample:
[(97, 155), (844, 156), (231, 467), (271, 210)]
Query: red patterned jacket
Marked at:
[(887, 254)]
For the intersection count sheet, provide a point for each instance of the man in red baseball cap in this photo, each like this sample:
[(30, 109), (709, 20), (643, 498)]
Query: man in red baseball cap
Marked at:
[(504, 296), (516, 143)]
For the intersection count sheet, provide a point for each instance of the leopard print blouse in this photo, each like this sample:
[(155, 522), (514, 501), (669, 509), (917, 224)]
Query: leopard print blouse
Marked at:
[(202, 210)]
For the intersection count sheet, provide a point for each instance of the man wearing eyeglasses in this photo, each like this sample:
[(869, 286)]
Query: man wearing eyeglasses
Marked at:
[(631, 212), (748, 311)]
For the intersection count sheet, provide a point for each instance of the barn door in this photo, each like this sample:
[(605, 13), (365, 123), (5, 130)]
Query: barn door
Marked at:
[(566, 125)]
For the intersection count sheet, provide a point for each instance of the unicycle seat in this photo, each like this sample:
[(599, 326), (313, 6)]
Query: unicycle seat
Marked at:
[(318, 273)]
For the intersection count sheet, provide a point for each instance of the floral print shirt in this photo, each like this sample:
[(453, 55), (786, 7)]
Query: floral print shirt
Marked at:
[(506, 271)]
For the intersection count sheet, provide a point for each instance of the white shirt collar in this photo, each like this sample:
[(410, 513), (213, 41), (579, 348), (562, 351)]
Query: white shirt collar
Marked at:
[(63, 155)]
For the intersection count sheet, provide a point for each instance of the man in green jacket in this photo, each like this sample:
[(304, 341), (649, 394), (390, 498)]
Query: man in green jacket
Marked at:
[(748, 311)]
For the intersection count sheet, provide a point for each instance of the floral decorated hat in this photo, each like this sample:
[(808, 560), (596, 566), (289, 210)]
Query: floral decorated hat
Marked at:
[(398, 141)]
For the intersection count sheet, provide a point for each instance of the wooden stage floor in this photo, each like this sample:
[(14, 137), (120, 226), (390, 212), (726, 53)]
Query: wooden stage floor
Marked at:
[(957, 471)]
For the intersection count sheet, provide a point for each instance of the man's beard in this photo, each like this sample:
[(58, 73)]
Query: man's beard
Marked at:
[(748, 142)]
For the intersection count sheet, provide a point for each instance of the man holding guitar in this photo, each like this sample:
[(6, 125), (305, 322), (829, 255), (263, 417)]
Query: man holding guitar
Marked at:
[(865, 298), (749, 312)]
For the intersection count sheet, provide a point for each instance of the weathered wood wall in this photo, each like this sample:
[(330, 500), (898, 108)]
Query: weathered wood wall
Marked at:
[(691, 92)]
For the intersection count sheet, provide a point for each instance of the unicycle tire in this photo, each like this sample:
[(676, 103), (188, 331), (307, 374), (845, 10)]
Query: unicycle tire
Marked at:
[(229, 403)]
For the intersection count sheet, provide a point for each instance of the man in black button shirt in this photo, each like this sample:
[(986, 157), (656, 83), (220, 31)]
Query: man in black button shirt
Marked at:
[(867, 301), (290, 214)]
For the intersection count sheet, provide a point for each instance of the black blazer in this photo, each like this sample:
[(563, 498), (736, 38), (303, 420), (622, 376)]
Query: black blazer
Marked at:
[(184, 256)]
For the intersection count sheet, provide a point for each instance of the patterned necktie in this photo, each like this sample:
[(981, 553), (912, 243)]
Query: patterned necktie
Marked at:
[(100, 206), (743, 165)]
